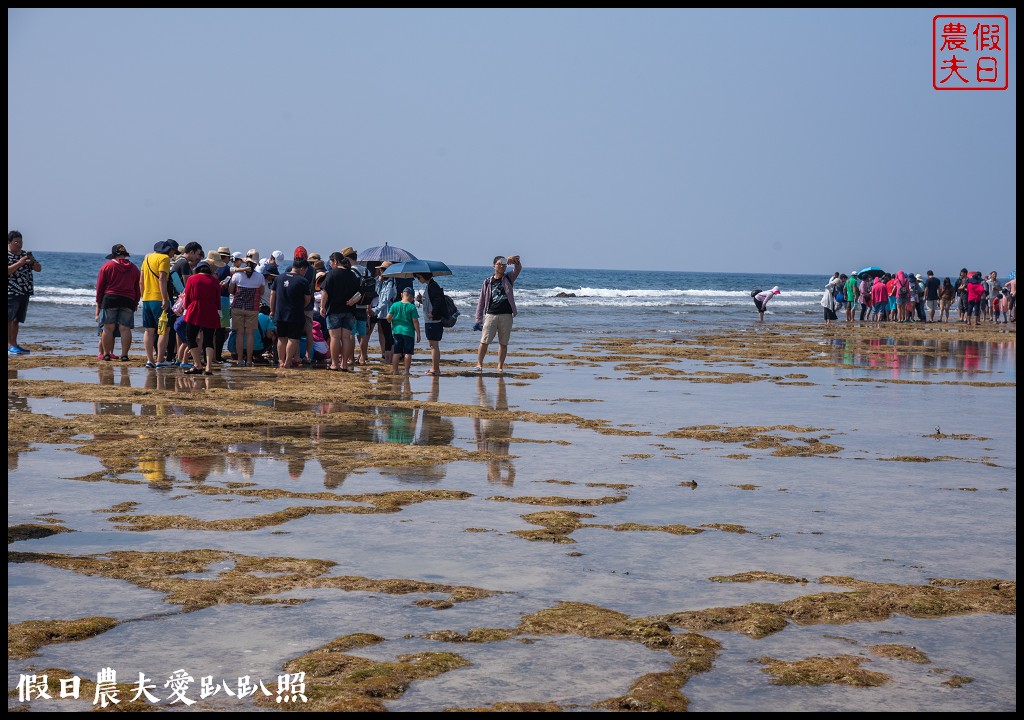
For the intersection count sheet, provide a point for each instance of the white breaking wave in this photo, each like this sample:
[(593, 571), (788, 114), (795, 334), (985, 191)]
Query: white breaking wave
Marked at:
[(64, 296)]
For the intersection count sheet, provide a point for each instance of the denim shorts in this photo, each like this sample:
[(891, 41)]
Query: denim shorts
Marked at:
[(404, 344), (118, 316), (341, 321), (359, 328)]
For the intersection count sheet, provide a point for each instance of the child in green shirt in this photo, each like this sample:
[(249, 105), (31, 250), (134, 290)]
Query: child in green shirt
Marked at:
[(405, 323)]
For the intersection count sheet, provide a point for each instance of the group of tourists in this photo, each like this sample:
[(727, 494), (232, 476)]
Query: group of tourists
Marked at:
[(907, 297), (197, 309)]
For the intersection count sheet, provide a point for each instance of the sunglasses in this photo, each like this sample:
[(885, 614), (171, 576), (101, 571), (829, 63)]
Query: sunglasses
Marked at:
[(501, 261)]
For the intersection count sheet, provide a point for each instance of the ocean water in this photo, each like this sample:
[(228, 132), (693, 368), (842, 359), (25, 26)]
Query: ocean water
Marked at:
[(601, 302)]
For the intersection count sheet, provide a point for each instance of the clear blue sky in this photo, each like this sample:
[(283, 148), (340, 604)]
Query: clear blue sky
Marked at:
[(735, 140)]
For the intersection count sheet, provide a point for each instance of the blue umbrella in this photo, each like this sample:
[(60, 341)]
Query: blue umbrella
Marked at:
[(871, 272), (380, 253), (417, 267)]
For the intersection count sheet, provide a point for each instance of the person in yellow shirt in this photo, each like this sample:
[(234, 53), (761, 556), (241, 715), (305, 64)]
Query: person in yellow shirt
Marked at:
[(156, 299)]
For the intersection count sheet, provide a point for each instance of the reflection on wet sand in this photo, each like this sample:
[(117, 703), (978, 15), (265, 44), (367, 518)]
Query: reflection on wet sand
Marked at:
[(905, 357), (493, 435), (421, 426)]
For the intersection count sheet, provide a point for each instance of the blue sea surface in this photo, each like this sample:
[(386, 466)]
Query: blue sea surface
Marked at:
[(556, 300)]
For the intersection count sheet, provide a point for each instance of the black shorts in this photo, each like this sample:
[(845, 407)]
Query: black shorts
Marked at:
[(17, 306), (435, 330), (291, 330)]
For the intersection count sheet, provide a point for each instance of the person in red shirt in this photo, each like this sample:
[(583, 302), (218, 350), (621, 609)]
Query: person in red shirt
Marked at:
[(117, 299), (975, 298), (202, 314)]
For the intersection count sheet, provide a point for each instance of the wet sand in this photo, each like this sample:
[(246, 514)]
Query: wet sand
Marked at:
[(785, 519)]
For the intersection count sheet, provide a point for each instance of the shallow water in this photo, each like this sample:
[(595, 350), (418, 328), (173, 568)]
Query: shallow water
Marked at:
[(858, 511)]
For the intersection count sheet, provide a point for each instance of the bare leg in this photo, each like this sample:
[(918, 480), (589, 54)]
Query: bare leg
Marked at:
[(126, 340), (408, 363), (395, 357), (348, 343), (161, 348), (12, 333), (147, 342), (108, 339), (502, 352), (435, 357), (480, 355), (335, 347), (282, 351)]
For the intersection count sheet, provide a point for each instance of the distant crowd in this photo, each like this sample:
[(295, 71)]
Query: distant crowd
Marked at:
[(906, 297), (197, 310)]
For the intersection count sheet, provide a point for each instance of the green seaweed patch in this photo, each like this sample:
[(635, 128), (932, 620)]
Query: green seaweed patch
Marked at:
[(511, 707), (866, 602), (555, 501), (958, 681), (955, 436), (612, 486), (475, 635), (737, 456), (899, 652), (818, 670), (122, 507), (727, 527), (761, 437), (480, 530), (24, 638), (557, 525), (639, 456), (745, 486), (33, 531), (388, 502), (251, 580), (339, 682), (692, 484), (651, 692), (639, 527)]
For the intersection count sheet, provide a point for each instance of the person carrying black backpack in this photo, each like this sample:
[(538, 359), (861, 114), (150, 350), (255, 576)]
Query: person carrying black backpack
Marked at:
[(433, 305), (368, 290)]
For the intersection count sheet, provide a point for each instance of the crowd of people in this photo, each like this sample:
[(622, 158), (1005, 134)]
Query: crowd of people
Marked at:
[(197, 310), (907, 297)]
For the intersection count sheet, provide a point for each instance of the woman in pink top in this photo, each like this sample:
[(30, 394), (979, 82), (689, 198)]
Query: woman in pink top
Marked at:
[(879, 300), (202, 313)]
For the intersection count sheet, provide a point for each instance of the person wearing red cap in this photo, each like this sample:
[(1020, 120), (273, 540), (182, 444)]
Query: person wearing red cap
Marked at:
[(118, 290), (308, 272)]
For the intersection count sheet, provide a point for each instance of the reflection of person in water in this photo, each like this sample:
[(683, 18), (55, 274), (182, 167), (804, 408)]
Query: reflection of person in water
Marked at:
[(402, 425), (435, 429), (494, 433)]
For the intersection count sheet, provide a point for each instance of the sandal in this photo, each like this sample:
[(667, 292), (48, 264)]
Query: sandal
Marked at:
[(194, 371), (125, 358)]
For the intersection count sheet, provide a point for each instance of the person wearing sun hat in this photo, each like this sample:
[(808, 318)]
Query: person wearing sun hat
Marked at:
[(387, 293), (761, 300), (308, 272), (118, 290)]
